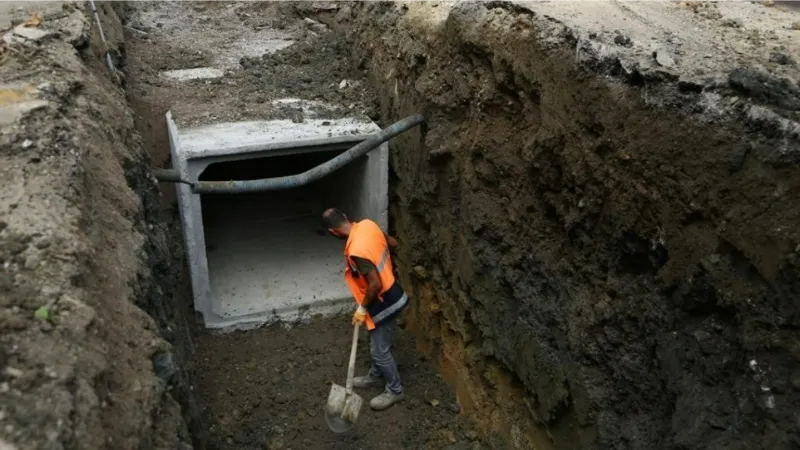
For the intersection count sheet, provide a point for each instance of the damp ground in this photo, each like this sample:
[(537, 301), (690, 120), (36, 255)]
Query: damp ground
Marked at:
[(266, 389)]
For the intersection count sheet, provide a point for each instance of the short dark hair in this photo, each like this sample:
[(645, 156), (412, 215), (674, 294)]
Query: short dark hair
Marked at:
[(333, 218)]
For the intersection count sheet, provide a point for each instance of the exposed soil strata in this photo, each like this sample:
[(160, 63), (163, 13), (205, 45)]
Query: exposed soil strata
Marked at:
[(605, 249), (82, 364), (599, 223)]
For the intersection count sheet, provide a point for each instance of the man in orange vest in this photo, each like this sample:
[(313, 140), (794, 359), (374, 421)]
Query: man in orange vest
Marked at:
[(368, 273)]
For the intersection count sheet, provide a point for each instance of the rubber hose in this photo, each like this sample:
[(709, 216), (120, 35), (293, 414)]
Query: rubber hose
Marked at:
[(309, 176)]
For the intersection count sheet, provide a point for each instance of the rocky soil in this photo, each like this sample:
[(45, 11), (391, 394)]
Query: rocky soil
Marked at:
[(601, 215)]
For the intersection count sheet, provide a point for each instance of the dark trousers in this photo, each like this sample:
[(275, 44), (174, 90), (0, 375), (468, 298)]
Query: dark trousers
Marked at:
[(380, 347)]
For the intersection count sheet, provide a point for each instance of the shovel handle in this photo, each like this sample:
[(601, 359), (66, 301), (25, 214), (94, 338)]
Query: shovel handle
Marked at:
[(351, 367)]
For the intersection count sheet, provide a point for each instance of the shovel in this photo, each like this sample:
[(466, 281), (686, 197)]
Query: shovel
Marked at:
[(341, 412)]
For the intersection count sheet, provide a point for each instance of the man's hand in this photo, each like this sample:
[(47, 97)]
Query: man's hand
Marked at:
[(360, 316), (392, 242)]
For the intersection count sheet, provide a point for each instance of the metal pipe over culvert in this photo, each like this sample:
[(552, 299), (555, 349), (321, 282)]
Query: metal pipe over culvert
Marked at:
[(309, 176), (170, 176)]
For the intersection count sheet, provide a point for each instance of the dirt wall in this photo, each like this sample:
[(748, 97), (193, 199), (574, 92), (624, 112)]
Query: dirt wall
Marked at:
[(87, 281), (601, 242)]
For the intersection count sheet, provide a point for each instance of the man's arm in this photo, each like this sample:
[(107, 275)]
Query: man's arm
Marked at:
[(373, 287), (368, 271), (391, 241)]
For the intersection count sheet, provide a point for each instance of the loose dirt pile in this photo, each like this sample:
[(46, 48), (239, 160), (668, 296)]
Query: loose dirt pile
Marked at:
[(266, 389), (306, 70)]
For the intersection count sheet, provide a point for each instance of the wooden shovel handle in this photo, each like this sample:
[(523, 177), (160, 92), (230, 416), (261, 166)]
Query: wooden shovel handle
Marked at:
[(351, 367)]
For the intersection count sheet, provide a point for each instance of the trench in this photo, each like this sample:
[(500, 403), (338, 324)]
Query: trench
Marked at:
[(570, 289), (599, 237), (276, 331), (265, 249)]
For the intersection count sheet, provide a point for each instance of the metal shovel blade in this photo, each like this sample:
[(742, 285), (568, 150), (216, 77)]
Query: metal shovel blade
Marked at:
[(342, 410), (336, 424)]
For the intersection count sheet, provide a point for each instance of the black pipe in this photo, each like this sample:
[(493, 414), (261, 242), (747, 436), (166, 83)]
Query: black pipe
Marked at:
[(322, 170), (169, 175)]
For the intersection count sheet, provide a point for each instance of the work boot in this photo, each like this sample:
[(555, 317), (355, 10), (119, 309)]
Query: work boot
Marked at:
[(385, 400), (367, 381)]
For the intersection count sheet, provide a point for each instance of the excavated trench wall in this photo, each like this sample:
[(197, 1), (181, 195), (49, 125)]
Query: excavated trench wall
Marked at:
[(599, 258), (92, 343)]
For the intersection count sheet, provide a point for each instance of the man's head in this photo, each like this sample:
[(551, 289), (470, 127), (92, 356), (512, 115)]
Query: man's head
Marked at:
[(337, 223)]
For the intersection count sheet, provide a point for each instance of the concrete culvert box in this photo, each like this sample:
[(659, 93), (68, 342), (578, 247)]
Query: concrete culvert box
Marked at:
[(264, 256)]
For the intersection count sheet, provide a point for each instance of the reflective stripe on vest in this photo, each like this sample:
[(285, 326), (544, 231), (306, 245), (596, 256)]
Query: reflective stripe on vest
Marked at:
[(367, 241), (384, 258), (391, 309)]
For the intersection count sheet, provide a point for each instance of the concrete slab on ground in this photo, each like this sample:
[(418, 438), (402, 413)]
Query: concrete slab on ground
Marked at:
[(198, 73), (221, 139)]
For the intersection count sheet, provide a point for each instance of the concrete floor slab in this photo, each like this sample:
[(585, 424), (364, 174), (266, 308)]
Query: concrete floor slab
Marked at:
[(253, 46), (273, 266)]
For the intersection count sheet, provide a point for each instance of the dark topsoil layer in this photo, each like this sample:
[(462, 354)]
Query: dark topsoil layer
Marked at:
[(267, 389), (635, 265)]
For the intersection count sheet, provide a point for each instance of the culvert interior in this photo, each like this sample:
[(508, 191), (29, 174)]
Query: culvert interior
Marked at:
[(267, 251)]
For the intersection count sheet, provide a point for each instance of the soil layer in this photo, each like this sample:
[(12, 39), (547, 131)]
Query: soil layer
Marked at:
[(601, 215), (86, 300), (266, 389)]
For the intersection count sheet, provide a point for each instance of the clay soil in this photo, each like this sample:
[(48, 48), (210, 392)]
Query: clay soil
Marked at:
[(80, 308), (266, 389)]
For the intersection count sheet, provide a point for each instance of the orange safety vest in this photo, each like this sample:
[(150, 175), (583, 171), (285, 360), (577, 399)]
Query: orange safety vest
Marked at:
[(367, 241)]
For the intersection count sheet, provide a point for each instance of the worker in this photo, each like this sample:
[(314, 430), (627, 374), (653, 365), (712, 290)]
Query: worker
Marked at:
[(368, 274)]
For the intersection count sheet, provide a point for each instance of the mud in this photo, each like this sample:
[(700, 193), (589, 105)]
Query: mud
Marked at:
[(266, 389), (600, 217)]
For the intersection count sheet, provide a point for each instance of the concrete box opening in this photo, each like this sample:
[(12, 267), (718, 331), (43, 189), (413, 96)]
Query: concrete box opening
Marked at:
[(268, 252), (259, 257)]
